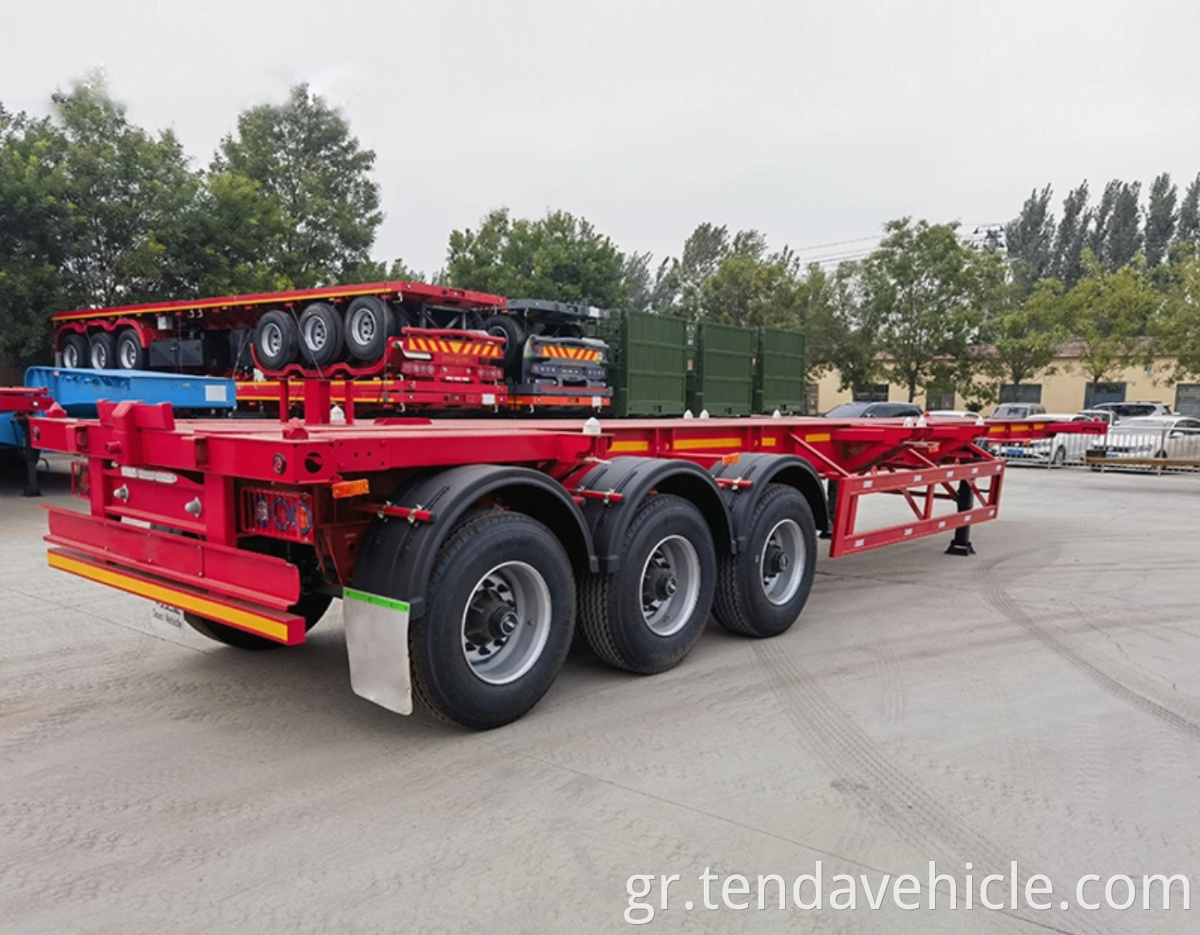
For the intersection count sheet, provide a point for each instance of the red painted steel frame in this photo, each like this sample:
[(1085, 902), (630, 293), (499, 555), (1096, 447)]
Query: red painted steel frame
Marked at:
[(439, 295), (25, 399), (188, 476)]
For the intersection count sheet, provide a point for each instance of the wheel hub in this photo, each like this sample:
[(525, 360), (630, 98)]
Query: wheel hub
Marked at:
[(316, 334), (661, 583), (506, 623), (363, 327), (670, 585), (781, 564)]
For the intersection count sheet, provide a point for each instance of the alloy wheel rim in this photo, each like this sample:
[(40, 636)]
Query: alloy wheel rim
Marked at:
[(506, 623), (670, 585), (781, 562)]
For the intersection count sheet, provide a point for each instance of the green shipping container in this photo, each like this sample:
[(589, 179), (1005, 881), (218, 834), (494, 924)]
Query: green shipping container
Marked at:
[(779, 380), (723, 377), (649, 372)]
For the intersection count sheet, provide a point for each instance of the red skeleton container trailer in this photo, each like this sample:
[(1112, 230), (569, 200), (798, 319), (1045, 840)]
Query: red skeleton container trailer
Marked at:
[(466, 553)]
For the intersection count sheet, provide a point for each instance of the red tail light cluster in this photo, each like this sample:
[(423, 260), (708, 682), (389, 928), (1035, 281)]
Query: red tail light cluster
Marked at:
[(277, 514), (81, 480), (491, 374), (418, 368)]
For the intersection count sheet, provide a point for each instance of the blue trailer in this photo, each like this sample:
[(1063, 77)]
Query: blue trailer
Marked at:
[(78, 391)]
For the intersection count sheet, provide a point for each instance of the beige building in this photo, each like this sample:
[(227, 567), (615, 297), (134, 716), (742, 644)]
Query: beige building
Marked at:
[(1065, 389)]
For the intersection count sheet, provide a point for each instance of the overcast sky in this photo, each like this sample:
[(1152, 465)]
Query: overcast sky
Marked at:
[(813, 122)]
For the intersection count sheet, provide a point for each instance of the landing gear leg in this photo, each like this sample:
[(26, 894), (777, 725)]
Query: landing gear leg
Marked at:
[(962, 536)]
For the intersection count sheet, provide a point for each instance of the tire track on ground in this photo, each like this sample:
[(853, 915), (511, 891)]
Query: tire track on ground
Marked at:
[(1118, 679), (882, 790)]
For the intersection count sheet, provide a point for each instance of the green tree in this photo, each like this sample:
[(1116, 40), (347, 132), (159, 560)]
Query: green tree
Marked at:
[(1161, 218), (1026, 333), (928, 291), (559, 257), (677, 286), (128, 197), (33, 218), (1110, 315), (303, 156), (1188, 229), (1030, 240), (745, 290), (840, 334), (639, 282), (1176, 327), (680, 285), (1125, 228), (1071, 236), (1097, 239), (380, 271), (233, 235)]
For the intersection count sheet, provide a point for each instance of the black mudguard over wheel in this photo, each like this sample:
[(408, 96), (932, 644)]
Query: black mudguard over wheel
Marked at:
[(322, 337), (370, 321), (509, 328), (130, 353), (102, 351), (761, 591), (498, 621), (277, 340), (74, 350), (648, 615)]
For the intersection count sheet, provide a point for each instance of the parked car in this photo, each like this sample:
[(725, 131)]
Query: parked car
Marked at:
[(874, 411), (1107, 416), (1134, 410), (1018, 411), (1059, 449), (1175, 438), (951, 414)]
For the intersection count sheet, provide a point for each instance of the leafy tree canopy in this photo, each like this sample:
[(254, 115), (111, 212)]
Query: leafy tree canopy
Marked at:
[(560, 257)]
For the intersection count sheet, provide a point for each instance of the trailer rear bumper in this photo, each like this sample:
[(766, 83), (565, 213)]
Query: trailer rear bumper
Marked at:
[(237, 587), (281, 627)]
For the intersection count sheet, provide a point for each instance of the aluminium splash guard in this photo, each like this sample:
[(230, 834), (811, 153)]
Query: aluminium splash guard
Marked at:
[(377, 644)]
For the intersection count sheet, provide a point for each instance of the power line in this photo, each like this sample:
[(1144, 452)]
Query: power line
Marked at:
[(835, 243)]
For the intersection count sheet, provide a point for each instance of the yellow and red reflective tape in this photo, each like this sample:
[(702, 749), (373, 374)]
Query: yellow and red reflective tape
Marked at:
[(571, 353), (470, 348), (222, 613)]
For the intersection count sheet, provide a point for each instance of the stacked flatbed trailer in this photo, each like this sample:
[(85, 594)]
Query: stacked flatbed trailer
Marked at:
[(78, 392), (466, 552), (409, 345)]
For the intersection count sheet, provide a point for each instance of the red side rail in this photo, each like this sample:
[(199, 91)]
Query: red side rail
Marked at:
[(423, 292), (24, 399)]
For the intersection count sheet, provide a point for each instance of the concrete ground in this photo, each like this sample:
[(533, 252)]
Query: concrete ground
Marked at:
[(1035, 703)]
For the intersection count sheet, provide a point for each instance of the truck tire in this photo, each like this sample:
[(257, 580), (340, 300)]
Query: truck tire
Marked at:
[(401, 318), (277, 340), (311, 607), (74, 348), (503, 578), (761, 591), (322, 336), (647, 616), (509, 328), (102, 351), (369, 324), (130, 354)]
